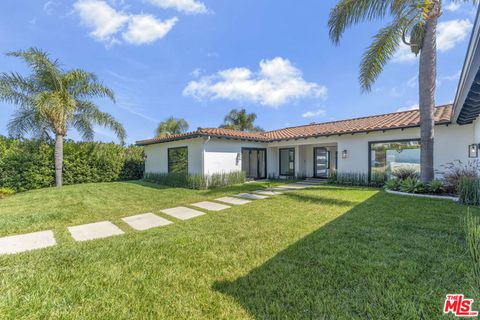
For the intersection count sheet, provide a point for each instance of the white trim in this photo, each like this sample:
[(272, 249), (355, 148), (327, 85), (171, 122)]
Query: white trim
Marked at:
[(431, 196)]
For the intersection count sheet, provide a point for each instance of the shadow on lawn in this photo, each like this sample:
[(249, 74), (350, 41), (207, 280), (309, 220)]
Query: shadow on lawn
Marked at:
[(371, 262)]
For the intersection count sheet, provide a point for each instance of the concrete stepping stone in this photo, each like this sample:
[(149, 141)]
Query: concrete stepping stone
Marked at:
[(232, 200), (251, 196), (182, 213), (95, 230), (27, 242), (146, 221), (294, 186), (282, 189), (268, 192), (211, 206)]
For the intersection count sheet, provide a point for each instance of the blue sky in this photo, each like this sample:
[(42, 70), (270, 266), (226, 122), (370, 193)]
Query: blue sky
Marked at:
[(199, 59)]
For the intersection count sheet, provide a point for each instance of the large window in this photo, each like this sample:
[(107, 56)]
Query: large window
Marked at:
[(287, 162), (386, 157), (178, 160)]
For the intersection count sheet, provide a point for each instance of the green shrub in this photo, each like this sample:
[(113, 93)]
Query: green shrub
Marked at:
[(392, 184), (436, 186), (469, 190), (412, 185), (5, 192), (29, 164), (196, 181), (357, 179), (403, 173), (472, 237)]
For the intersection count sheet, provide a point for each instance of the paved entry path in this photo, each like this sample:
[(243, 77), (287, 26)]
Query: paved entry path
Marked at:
[(140, 222)]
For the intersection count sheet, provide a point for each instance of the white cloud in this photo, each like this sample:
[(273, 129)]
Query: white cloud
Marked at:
[(144, 29), (449, 33), (453, 77), (275, 83), (103, 19), (453, 6), (185, 6), (48, 7), (412, 107), (107, 23), (413, 81), (316, 113)]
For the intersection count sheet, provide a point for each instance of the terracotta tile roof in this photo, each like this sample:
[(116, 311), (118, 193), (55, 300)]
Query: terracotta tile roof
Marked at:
[(397, 120)]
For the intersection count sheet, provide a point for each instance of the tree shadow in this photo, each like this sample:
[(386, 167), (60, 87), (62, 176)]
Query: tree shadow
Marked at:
[(386, 258)]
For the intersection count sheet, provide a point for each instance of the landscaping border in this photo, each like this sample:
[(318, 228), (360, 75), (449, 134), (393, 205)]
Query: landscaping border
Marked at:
[(431, 196)]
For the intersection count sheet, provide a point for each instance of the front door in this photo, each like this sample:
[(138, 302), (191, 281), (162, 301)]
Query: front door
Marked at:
[(254, 163), (321, 162)]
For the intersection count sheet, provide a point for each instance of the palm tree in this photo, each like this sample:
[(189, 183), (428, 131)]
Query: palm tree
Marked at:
[(240, 120), (171, 126), (414, 23), (53, 100)]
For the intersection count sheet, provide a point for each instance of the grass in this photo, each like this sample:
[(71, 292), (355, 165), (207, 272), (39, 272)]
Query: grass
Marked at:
[(326, 252)]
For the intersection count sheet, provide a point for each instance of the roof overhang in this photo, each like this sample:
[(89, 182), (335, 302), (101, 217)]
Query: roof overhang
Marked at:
[(466, 106)]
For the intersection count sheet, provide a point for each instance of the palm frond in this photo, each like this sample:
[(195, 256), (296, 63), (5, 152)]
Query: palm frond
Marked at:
[(384, 46), (83, 124), (350, 12), (27, 120)]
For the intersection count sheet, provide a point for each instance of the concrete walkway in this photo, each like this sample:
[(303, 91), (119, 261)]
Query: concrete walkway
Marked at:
[(140, 222)]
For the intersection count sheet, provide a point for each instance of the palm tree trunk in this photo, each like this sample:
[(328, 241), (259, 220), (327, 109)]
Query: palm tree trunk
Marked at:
[(427, 77), (58, 159)]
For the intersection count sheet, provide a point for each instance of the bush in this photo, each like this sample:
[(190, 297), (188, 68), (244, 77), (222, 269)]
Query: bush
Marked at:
[(412, 185), (196, 181), (472, 237), (357, 179), (403, 173), (29, 164), (5, 192), (392, 184), (436, 186), (456, 169), (469, 190)]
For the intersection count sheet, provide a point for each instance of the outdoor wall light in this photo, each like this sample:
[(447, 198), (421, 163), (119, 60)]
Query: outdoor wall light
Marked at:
[(344, 154), (473, 151), (239, 158)]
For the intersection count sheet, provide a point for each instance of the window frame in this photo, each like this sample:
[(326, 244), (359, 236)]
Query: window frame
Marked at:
[(280, 162), (369, 164), (168, 158)]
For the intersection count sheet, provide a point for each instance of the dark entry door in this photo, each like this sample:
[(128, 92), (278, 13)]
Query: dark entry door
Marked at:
[(321, 162), (254, 163)]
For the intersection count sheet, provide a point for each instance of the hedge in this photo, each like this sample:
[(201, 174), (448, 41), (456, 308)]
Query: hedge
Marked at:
[(29, 164)]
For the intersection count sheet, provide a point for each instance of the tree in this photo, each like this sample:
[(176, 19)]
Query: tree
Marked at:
[(240, 120), (171, 126), (414, 23), (52, 100)]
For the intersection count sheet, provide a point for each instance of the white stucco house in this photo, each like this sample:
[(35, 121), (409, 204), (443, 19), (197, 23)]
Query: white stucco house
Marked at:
[(374, 144)]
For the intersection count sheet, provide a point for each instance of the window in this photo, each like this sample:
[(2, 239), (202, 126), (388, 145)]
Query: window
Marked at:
[(178, 160), (287, 162), (388, 156)]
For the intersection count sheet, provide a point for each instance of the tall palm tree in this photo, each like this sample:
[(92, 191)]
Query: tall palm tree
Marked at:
[(171, 126), (52, 100), (413, 22), (240, 120)]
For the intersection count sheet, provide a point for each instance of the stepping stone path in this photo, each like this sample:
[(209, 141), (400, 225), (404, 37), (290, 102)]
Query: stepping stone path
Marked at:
[(146, 221), (268, 193), (27, 242), (251, 196), (211, 206), (234, 201), (182, 213), (104, 229), (95, 230)]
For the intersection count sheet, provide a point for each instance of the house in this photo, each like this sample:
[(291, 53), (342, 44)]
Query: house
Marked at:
[(375, 145)]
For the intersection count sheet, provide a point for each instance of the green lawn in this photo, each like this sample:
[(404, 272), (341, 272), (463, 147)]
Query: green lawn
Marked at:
[(326, 252)]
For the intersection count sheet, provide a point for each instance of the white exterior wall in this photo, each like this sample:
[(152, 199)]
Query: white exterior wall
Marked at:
[(222, 156), (157, 155)]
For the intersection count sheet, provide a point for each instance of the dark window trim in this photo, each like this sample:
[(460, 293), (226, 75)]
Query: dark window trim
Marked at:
[(258, 167), (315, 159), (369, 164), (280, 162), (168, 156)]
